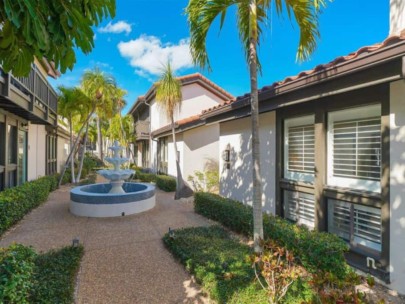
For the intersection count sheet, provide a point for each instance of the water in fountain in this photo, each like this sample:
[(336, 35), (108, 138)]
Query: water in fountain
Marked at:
[(117, 175)]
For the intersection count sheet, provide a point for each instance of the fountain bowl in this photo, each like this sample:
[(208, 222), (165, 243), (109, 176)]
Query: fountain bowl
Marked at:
[(95, 200)]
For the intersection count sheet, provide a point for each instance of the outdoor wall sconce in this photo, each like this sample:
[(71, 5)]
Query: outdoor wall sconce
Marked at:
[(226, 156)]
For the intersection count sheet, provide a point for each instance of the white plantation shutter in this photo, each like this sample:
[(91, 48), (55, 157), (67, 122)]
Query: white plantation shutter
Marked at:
[(301, 149), (300, 207), (358, 224), (357, 148)]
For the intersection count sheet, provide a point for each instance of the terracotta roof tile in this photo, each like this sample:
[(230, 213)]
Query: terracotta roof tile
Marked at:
[(321, 67)]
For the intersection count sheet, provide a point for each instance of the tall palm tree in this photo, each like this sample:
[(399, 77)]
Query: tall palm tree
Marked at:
[(100, 87), (252, 17), (71, 105), (169, 97)]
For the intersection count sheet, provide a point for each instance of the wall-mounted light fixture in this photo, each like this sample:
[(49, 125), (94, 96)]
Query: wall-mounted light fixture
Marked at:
[(226, 156)]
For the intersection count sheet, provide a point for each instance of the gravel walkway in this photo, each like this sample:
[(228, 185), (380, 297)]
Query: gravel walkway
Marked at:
[(125, 260)]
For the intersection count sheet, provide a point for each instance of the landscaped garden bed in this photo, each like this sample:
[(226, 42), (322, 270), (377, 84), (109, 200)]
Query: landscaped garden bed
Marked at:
[(28, 277), (296, 265)]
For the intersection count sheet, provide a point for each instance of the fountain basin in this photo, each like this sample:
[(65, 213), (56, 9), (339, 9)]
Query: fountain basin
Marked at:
[(96, 201)]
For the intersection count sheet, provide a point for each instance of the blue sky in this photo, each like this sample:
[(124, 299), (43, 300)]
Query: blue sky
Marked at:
[(145, 33)]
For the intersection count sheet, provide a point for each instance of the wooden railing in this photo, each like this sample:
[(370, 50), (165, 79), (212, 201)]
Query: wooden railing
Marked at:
[(142, 129)]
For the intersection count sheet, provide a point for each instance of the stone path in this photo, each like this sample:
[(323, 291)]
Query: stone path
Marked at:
[(125, 260)]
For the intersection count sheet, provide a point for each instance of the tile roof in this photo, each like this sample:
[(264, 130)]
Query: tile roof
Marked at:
[(180, 123), (363, 51)]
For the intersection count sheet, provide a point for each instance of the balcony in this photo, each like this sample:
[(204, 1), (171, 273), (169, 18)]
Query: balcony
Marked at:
[(30, 97), (142, 130)]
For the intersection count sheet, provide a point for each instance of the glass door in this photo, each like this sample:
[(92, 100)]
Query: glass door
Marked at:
[(22, 157)]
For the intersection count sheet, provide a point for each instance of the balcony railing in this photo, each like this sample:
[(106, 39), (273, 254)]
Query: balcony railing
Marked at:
[(142, 130), (32, 93)]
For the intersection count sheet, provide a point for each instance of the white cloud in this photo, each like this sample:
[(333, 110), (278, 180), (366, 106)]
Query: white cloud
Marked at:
[(148, 54), (116, 28)]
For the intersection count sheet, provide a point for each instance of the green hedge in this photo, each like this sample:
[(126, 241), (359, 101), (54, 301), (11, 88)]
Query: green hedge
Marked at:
[(166, 183), (316, 250), (26, 277), (219, 263), (18, 201), (146, 177)]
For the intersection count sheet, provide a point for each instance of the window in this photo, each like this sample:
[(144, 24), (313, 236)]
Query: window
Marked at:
[(51, 154), (300, 207), (299, 149), (163, 154), (354, 148), (12, 144), (359, 225)]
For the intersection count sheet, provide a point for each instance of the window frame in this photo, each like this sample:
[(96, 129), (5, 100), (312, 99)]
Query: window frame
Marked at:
[(357, 113), (289, 123)]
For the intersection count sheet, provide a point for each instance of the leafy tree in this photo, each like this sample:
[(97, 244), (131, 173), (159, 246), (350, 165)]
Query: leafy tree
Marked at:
[(48, 29), (252, 17), (169, 97), (101, 89)]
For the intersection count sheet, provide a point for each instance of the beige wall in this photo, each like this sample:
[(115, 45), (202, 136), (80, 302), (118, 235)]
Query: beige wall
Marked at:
[(171, 157), (201, 149), (397, 185), (236, 182), (36, 151)]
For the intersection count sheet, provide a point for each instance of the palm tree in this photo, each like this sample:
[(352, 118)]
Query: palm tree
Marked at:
[(169, 97), (71, 103), (100, 88), (252, 17)]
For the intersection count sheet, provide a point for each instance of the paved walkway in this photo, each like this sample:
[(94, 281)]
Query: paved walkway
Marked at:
[(125, 260)]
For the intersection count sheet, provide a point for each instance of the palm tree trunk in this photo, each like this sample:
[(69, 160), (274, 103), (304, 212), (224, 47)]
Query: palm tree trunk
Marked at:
[(83, 153), (72, 163), (99, 139), (74, 145), (257, 180), (182, 189)]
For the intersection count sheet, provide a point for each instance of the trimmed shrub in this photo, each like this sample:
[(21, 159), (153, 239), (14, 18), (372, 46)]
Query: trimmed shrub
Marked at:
[(27, 277), (146, 177), (219, 263), (18, 201), (16, 273), (166, 183), (315, 250), (55, 274)]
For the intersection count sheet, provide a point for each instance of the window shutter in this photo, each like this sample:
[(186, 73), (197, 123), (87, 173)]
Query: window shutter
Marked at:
[(301, 148), (300, 207), (357, 149), (355, 223)]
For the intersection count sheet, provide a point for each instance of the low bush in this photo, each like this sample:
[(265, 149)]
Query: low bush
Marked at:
[(146, 177), (166, 183), (315, 250), (55, 274), (219, 263), (17, 266), (18, 201), (28, 277)]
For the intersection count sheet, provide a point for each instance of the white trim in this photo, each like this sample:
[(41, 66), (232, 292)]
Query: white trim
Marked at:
[(350, 114), (294, 122)]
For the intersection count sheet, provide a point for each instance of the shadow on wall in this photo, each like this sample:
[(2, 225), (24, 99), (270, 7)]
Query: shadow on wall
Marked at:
[(236, 178)]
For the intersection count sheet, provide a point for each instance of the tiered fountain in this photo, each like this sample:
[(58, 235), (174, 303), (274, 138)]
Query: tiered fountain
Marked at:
[(116, 198)]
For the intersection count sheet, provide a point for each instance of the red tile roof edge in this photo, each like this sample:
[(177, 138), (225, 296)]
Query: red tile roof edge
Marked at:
[(178, 123), (339, 60)]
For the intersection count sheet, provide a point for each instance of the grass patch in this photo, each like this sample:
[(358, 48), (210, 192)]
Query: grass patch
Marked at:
[(55, 275), (219, 263)]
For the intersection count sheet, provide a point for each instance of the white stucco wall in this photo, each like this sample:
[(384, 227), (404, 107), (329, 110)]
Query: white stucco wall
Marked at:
[(195, 99), (397, 16), (62, 152), (171, 157), (36, 151), (397, 185), (201, 148), (236, 182)]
